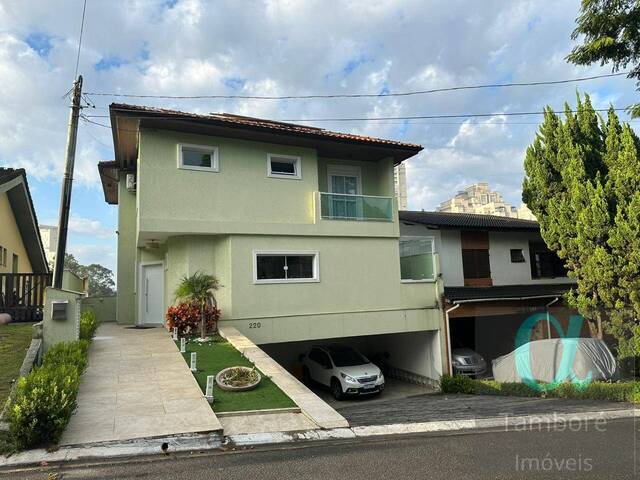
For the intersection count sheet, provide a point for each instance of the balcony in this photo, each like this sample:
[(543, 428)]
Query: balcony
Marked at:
[(339, 206)]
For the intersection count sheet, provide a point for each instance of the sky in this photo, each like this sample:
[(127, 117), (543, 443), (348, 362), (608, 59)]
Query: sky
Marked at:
[(288, 47)]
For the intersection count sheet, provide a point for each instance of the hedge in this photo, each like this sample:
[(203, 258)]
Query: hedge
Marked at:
[(627, 391), (45, 399), (88, 325)]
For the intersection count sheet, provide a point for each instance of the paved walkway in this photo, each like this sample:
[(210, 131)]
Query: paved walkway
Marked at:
[(137, 385), (311, 405), (430, 408)]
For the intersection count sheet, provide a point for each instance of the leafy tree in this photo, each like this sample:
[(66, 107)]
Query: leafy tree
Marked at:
[(199, 288), (611, 34), (101, 281), (583, 184)]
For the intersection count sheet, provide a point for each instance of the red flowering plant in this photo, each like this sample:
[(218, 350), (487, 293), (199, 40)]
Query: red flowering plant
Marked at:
[(186, 317)]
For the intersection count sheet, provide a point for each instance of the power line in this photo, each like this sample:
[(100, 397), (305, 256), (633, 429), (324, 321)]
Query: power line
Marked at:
[(360, 95), (84, 9)]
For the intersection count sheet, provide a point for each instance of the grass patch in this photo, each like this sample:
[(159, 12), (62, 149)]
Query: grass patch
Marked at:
[(215, 356), (14, 342), (625, 391)]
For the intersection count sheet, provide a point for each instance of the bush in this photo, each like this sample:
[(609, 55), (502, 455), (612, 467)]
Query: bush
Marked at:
[(186, 316), (88, 325), (45, 399), (43, 403), (615, 392), (68, 353)]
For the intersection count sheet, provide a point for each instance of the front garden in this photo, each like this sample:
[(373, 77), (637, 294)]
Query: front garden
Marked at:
[(217, 354), (14, 342)]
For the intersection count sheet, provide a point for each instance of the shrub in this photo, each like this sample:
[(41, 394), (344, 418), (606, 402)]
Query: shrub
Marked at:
[(186, 316), (68, 353), (43, 402), (88, 325), (457, 384)]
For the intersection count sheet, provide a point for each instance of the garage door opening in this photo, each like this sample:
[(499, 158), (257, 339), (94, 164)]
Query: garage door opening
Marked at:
[(410, 362)]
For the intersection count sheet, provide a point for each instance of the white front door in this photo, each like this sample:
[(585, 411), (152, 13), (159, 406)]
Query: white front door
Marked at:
[(151, 293)]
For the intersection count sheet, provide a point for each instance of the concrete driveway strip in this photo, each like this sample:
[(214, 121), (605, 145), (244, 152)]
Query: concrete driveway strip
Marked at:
[(137, 385)]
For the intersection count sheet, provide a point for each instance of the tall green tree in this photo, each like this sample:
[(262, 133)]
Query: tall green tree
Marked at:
[(583, 184), (610, 31), (101, 281), (200, 288)]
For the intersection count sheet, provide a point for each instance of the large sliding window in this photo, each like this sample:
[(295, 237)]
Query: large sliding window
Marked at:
[(544, 262), (285, 267), (417, 259)]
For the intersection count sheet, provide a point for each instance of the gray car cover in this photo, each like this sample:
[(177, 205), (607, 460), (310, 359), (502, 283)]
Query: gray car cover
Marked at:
[(544, 357)]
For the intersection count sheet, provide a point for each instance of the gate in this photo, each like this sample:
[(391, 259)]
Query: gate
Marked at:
[(22, 295)]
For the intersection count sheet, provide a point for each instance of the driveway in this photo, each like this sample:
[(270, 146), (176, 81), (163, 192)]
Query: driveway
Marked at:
[(426, 408), (137, 385)]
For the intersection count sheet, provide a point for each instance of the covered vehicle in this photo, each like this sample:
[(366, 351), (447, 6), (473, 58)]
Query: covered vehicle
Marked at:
[(544, 359)]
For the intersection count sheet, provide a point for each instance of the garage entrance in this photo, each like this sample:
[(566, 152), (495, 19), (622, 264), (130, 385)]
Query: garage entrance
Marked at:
[(411, 363)]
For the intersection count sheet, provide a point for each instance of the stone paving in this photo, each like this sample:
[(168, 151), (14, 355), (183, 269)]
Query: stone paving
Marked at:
[(137, 385), (430, 408)]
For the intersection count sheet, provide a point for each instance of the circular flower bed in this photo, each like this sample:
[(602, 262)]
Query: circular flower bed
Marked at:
[(238, 379)]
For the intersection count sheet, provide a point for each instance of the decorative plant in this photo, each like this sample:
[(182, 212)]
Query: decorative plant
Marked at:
[(186, 317), (199, 288)]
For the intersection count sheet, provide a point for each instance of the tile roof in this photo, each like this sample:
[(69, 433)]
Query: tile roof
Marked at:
[(228, 118), (504, 292), (468, 221)]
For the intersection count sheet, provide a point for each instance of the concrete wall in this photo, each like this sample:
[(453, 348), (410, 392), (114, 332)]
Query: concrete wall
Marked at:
[(11, 239), (127, 255), (67, 330), (72, 282), (105, 308)]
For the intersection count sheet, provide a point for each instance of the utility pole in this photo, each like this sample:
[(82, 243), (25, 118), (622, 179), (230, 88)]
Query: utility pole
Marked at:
[(67, 182)]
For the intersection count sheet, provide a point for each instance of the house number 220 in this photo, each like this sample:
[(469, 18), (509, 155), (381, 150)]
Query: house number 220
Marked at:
[(255, 324)]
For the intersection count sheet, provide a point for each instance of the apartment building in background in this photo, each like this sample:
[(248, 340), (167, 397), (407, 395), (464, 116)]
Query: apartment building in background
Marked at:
[(400, 185), (49, 235), (480, 199)]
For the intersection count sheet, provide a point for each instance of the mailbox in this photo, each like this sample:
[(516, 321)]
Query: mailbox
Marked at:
[(59, 309)]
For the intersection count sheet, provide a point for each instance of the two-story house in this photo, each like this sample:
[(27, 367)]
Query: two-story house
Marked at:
[(298, 223), (496, 272)]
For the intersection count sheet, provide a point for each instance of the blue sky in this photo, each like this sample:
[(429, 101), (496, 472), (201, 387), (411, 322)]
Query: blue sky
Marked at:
[(279, 47)]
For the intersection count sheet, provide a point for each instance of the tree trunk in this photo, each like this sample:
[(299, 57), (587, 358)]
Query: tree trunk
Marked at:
[(202, 322)]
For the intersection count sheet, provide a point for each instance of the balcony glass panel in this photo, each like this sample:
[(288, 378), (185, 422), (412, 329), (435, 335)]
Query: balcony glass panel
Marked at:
[(338, 206)]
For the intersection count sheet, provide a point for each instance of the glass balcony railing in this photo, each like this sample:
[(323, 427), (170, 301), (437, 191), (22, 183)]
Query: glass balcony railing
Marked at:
[(338, 206)]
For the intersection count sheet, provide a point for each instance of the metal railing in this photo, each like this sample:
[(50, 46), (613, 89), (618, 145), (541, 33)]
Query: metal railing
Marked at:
[(342, 206)]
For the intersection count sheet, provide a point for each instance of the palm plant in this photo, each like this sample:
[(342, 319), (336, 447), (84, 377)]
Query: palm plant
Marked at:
[(199, 288)]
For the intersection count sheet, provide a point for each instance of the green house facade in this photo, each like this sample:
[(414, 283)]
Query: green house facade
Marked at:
[(299, 224)]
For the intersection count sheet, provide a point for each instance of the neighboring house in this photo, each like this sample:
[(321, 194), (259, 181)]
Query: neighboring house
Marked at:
[(479, 198), (298, 223), (49, 235), (496, 272), (24, 271)]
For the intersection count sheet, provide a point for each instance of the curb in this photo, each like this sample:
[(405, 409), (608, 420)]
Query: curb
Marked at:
[(203, 442)]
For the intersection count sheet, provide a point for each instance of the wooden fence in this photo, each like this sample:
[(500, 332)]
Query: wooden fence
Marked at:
[(22, 295)]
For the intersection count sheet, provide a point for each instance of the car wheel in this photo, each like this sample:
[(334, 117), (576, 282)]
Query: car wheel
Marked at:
[(336, 389), (306, 376)]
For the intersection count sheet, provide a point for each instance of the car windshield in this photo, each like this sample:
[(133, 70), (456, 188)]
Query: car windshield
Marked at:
[(347, 357)]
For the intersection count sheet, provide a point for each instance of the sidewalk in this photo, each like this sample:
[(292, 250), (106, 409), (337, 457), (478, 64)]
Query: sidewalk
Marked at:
[(137, 385)]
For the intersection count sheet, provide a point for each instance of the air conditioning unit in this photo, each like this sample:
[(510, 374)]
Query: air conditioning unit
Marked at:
[(131, 182)]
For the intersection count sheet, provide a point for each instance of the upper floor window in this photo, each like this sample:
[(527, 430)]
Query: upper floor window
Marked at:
[(517, 256), (544, 262), (417, 260), (475, 264), (198, 157), (284, 166), (285, 267), (3, 257)]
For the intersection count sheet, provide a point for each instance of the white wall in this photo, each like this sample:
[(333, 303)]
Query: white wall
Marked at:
[(503, 272)]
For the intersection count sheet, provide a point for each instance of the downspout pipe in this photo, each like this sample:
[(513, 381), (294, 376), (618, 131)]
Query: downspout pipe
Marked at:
[(548, 319), (448, 333)]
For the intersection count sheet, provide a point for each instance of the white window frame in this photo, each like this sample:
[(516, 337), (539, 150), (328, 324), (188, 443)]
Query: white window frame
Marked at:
[(433, 259), (344, 170), (316, 266), (210, 149), (296, 160)]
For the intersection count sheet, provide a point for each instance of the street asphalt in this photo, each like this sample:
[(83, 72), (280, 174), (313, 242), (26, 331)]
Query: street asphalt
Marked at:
[(579, 450)]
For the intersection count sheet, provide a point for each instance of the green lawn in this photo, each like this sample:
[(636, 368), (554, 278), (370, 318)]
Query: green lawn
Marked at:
[(14, 342), (213, 357)]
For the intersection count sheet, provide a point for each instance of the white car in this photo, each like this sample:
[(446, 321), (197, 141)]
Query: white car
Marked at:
[(343, 369)]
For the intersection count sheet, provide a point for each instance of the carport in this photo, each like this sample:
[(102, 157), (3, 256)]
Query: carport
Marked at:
[(487, 319), (410, 361)]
